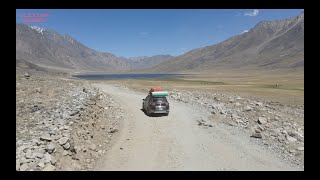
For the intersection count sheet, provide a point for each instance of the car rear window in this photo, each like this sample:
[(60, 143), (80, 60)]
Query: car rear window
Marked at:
[(162, 99)]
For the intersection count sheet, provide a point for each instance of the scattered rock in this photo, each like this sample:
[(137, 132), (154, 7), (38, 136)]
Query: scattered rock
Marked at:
[(268, 125), (259, 104), (232, 123), (300, 148), (113, 130), (262, 120), (276, 118), (22, 148), (93, 147), (261, 128), (24, 160), (26, 75), (292, 151), (66, 135), (275, 131), (46, 137), (85, 90), (63, 140), (24, 167), (50, 148), (257, 130), (74, 113), (78, 133), (235, 116), (76, 166), (48, 158), (248, 108), (30, 155), (41, 164), (282, 139), (65, 153), (38, 90), (38, 155), (297, 135), (256, 135), (17, 166), (49, 167), (36, 142), (290, 139), (53, 160), (66, 146)]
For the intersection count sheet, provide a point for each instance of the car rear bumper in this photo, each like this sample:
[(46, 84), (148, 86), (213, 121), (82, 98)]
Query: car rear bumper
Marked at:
[(159, 111)]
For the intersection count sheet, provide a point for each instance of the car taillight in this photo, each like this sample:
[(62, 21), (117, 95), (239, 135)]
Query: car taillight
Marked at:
[(152, 104)]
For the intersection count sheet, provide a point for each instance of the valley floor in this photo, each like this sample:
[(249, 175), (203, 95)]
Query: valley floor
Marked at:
[(70, 124)]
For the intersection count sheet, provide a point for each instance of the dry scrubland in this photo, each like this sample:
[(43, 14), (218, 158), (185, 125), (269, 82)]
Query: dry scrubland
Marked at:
[(263, 85)]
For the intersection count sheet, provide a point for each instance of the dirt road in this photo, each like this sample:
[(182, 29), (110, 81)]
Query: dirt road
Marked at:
[(177, 142)]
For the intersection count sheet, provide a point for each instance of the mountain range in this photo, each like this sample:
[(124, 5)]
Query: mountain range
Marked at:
[(50, 49), (269, 45)]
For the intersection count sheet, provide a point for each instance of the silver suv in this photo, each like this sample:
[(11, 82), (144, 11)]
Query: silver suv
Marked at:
[(155, 105)]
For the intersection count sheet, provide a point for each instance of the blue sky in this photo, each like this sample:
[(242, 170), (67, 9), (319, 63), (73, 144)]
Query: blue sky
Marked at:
[(142, 32)]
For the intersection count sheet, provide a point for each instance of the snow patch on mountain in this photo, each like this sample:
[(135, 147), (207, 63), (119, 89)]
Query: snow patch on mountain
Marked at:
[(38, 29)]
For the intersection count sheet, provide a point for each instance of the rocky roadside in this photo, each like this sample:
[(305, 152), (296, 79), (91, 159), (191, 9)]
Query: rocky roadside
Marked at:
[(279, 128), (62, 124)]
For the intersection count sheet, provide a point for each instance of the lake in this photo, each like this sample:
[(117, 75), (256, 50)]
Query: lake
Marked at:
[(129, 76)]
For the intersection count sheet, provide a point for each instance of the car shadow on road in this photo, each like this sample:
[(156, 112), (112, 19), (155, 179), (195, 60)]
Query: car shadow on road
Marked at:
[(151, 115)]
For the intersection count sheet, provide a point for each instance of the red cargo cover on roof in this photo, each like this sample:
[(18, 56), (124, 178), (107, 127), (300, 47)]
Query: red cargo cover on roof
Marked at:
[(156, 89)]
